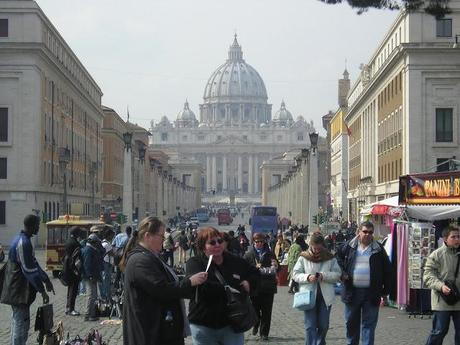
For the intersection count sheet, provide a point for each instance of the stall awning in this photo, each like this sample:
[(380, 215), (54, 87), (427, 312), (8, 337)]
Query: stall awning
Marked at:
[(380, 209), (433, 212)]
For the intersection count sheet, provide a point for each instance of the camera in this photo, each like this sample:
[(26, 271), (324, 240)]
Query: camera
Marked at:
[(317, 274)]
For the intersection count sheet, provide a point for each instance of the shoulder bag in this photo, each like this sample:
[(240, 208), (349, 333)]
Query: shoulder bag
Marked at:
[(454, 295), (305, 300), (240, 312)]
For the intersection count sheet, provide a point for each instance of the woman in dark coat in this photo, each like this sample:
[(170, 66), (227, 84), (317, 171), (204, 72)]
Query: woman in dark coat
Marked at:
[(153, 309), (261, 257), (208, 320)]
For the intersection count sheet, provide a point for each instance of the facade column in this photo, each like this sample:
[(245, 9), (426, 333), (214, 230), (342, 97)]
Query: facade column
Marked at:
[(214, 172), (250, 174), (256, 174), (142, 190), (165, 197), (224, 173), (208, 174), (240, 174)]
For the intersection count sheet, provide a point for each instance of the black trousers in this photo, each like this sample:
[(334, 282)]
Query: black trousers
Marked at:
[(72, 292), (263, 304)]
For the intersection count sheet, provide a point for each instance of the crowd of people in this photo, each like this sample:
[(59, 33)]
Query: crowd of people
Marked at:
[(141, 264)]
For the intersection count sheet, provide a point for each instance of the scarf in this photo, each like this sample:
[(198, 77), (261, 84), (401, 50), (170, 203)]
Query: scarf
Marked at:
[(322, 256)]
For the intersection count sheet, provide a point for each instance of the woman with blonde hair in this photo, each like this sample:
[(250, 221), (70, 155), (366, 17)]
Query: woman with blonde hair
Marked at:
[(153, 309), (317, 270)]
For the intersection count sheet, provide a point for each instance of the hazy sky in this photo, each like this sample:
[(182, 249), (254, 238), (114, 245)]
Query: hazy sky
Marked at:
[(153, 54)]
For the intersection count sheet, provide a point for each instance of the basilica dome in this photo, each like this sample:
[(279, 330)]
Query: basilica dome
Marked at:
[(282, 116), (186, 114), (235, 78)]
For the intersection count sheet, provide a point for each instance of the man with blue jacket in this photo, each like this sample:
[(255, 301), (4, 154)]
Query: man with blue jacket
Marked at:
[(366, 278), (23, 279), (92, 256)]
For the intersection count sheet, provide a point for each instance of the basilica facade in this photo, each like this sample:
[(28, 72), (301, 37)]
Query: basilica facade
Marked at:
[(235, 131)]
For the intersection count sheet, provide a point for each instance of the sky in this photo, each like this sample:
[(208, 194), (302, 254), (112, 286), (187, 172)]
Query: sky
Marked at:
[(149, 56)]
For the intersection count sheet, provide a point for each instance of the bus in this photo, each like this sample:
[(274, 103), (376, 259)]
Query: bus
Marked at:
[(263, 219), (224, 216), (58, 234), (202, 214)]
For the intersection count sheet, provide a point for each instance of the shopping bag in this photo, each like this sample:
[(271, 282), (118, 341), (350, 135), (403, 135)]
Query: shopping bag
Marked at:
[(44, 318), (304, 300)]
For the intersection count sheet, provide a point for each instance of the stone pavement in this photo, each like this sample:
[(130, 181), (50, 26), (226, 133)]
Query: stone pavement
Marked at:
[(394, 328)]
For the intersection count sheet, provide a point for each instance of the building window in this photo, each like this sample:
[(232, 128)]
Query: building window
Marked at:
[(444, 27), (3, 27), (300, 136), (279, 138), (2, 212), (3, 170), (184, 138), (164, 136), (201, 138), (3, 124), (442, 164), (245, 137), (219, 137), (444, 125)]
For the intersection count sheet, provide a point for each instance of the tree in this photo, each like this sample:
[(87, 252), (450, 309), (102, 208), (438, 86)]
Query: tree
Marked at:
[(437, 8)]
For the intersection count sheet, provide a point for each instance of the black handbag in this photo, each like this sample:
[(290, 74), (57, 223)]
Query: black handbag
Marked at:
[(454, 295), (240, 312), (44, 318)]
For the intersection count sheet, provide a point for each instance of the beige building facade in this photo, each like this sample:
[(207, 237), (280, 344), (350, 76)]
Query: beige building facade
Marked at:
[(403, 110)]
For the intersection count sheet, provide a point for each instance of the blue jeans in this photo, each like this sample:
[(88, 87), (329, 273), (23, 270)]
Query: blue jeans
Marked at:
[(441, 322), (202, 335), (316, 322), (105, 285), (361, 309), (20, 322)]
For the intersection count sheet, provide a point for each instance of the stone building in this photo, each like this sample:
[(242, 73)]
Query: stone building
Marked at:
[(403, 110), (235, 131), (50, 122)]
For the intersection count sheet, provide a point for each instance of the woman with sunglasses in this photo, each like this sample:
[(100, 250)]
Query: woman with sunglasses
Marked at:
[(317, 270), (208, 321), (261, 257), (153, 309)]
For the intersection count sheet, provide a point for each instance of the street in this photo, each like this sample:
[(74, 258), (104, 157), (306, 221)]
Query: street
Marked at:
[(394, 328)]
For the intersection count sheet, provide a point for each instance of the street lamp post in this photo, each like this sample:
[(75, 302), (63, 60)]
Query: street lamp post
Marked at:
[(313, 209), (127, 178), (64, 159), (141, 151)]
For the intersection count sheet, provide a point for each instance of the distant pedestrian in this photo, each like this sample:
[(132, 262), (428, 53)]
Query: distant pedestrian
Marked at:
[(366, 278), (23, 279), (261, 257), (168, 247), (297, 247), (192, 241), (440, 266), (183, 247), (72, 268), (109, 251), (317, 270), (92, 255)]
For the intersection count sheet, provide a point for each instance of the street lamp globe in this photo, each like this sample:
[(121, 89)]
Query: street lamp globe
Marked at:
[(127, 137)]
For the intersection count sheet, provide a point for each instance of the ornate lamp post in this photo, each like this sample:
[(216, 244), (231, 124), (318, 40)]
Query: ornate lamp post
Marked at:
[(313, 209), (64, 159), (141, 207), (127, 178)]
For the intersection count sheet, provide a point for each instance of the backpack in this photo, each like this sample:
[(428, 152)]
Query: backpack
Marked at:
[(71, 267), (118, 254)]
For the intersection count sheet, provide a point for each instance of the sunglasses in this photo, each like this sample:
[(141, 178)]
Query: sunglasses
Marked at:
[(367, 232), (214, 242), (259, 241)]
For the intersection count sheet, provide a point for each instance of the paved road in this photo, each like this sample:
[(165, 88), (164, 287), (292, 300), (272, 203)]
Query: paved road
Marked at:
[(394, 328)]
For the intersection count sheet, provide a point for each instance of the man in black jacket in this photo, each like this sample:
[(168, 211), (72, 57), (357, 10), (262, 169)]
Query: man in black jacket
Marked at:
[(71, 272), (366, 278)]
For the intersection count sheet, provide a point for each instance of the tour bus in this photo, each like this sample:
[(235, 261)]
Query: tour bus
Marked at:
[(57, 235), (263, 219), (224, 217), (202, 214)]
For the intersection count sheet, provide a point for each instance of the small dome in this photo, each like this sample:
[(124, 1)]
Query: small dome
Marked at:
[(300, 119), (283, 115), (164, 121), (186, 114)]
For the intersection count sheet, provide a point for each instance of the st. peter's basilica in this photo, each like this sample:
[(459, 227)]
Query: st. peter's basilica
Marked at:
[(236, 131)]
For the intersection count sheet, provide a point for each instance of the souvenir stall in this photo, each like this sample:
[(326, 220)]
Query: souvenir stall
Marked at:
[(428, 203)]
